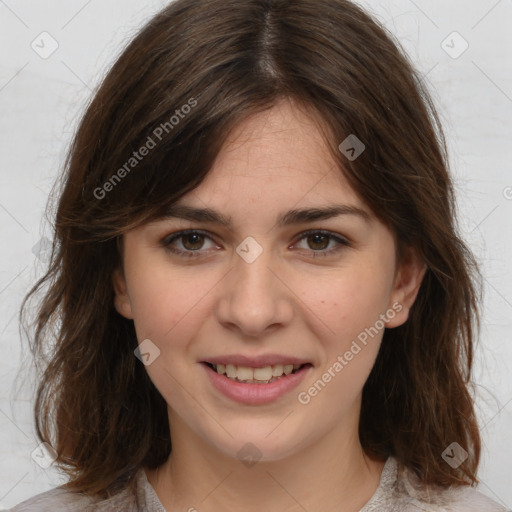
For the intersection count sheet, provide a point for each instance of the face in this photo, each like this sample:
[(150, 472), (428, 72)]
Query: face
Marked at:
[(267, 289)]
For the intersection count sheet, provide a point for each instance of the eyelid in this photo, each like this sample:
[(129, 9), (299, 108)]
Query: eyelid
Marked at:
[(342, 241), (167, 240), (335, 236)]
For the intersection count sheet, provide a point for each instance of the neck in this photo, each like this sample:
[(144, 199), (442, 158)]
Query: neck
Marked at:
[(333, 475)]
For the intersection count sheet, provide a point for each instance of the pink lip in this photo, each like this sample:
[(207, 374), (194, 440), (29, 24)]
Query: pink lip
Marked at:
[(256, 394), (256, 361)]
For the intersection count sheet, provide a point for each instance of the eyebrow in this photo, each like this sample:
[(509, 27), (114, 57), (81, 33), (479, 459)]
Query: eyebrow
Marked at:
[(296, 216)]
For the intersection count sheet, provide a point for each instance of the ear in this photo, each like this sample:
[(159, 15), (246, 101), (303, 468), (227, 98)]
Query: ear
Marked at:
[(121, 300), (408, 279)]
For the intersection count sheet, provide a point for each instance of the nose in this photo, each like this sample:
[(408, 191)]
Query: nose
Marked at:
[(254, 296)]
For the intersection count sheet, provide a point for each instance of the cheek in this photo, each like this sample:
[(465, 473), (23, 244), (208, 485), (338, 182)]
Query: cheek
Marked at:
[(158, 306), (350, 308), (168, 311), (168, 306), (348, 302)]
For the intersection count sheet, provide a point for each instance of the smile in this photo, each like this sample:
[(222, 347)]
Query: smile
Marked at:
[(246, 374), (255, 385)]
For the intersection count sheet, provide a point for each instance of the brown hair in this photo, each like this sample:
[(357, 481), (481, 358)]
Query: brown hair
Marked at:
[(225, 60)]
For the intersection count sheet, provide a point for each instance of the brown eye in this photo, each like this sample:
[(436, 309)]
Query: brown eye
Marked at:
[(318, 242), (188, 243), (192, 241)]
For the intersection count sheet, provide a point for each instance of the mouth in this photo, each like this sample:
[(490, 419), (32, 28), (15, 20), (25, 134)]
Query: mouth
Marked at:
[(256, 380), (256, 375)]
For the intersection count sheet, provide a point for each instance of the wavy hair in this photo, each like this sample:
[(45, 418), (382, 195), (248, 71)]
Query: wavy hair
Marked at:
[(180, 86)]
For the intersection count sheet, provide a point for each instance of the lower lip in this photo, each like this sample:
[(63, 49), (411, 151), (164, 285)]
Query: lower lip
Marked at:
[(256, 394)]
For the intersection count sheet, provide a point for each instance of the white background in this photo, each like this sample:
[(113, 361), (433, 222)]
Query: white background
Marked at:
[(40, 103)]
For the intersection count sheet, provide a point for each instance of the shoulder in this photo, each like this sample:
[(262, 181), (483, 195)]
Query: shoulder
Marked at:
[(54, 500), (63, 500), (400, 490), (417, 497)]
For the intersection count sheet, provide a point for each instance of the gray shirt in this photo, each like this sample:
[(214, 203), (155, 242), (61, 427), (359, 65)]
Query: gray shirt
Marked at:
[(399, 490)]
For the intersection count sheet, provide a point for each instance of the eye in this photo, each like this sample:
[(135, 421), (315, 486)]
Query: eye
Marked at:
[(191, 241), (319, 240)]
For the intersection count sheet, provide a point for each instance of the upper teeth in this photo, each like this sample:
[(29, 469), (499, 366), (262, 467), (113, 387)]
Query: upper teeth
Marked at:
[(261, 374)]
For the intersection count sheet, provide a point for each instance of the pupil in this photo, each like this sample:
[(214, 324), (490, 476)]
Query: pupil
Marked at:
[(317, 239), (194, 244)]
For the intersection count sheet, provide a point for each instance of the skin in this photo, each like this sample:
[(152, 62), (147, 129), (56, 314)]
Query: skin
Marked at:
[(286, 302)]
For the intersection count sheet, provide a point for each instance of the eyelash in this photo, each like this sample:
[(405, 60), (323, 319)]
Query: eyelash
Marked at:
[(168, 240)]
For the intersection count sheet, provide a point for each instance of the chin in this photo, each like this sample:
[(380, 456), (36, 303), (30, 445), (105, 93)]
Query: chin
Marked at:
[(251, 443)]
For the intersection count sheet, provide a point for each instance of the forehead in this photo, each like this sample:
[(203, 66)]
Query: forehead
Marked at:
[(277, 156)]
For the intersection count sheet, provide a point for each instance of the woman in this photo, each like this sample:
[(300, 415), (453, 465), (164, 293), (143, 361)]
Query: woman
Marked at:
[(261, 299)]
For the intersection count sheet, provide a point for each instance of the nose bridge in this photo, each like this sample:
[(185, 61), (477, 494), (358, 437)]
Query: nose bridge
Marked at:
[(252, 265), (253, 299), (253, 277)]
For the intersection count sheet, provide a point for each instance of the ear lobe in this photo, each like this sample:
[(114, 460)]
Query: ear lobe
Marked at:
[(121, 299), (408, 279)]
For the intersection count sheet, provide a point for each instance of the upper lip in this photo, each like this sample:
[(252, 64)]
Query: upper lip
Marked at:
[(255, 361)]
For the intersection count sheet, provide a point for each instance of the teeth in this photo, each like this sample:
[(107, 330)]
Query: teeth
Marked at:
[(244, 373), (230, 371), (247, 374), (277, 370), (261, 373)]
